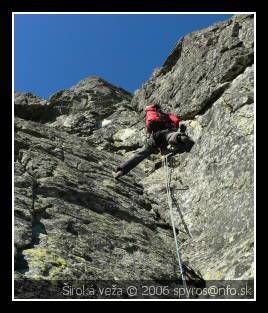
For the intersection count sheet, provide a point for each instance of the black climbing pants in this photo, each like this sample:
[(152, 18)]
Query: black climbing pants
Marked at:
[(156, 141)]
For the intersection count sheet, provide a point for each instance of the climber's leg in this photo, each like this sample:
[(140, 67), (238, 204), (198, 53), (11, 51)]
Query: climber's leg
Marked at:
[(172, 138), (136, 158), (179, 140)]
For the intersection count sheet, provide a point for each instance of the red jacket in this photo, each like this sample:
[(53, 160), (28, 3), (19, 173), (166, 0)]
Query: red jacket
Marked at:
[(172, 121)]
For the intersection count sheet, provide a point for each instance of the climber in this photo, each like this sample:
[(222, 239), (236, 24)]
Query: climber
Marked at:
[(162, 130)]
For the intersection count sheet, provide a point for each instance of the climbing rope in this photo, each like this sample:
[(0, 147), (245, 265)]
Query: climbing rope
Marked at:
[(169, 200)]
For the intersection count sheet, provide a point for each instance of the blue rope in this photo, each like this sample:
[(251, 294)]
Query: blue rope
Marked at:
[(169, 200)]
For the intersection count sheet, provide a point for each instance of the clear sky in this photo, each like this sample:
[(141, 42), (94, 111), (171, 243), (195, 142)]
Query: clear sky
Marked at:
[(54, 52)]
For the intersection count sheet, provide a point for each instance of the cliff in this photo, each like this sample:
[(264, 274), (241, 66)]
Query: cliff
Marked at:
[(74, 221)]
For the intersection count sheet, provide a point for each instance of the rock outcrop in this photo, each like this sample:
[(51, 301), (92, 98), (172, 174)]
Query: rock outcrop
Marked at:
[(73, 220)]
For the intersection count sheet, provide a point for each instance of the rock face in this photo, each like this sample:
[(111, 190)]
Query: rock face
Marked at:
[(201, 66), (73, 220)]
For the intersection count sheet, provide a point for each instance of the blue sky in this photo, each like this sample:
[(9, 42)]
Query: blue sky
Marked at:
[(54, 52)]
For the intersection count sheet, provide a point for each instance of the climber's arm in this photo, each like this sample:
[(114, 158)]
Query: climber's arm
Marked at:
[(175, 121)]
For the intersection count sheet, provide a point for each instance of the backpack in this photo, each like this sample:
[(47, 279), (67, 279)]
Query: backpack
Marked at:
[(156, 120)]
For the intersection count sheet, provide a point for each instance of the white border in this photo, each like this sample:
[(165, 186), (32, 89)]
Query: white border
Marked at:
[(131, 13), (13, 197), (134, 13)]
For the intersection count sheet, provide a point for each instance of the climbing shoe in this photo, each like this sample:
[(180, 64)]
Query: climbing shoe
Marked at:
[(118, 174)]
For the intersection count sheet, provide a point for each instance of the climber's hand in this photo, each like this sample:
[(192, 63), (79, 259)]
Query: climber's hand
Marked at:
[(182, 128)]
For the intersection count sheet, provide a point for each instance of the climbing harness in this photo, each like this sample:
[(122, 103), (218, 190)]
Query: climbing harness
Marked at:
[(169, 200)]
